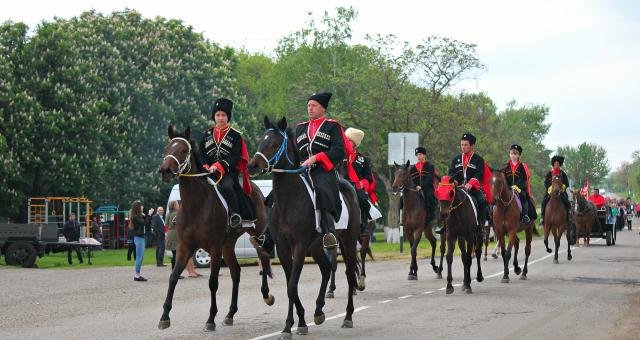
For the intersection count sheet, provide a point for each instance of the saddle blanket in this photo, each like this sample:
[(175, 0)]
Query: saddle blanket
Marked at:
[(245, 224), (374, 212), (344, 214), (473, 204)]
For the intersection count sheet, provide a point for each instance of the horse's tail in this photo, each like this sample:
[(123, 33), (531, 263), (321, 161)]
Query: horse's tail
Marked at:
[(370, 253)]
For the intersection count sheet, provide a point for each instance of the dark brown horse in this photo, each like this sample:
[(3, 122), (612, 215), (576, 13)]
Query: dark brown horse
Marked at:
[(456, 209), (202, 223), (584, 215), (361, 275), (414, 219), (506, 221), (293, 227), (555, 219)]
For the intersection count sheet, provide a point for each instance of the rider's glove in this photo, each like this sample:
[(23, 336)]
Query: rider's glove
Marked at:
[(549, 190)]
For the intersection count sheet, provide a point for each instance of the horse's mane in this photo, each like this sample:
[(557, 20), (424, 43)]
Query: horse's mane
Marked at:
[(294, 144)]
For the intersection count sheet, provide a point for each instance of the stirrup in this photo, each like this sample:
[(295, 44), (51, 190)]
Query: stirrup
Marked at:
[(235, 221), (257, 242), (329, 241), (440, 230), (525, 219)]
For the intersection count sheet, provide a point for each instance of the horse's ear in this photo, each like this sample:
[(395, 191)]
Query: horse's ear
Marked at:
[(187, 133), (282, 124), (396, 165), (406, 166), (267, 122), (171, 131)]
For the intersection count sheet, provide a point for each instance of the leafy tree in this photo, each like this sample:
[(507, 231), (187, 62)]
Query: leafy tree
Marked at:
[(587, 161)]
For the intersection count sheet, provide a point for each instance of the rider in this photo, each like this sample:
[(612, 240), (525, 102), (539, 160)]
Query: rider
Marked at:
[(224, 155), (468, 169), (556, 163), (322, 146), (424, 176), (597, 199), (361, 166), (517, 175)]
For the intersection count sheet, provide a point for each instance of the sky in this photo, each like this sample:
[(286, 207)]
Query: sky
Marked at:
[(579, 58)]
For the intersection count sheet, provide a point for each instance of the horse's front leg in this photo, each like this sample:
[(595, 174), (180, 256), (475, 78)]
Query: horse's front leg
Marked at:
[(326, 272), (546, 237), (569, 257), (450, 246), (556, 240), (505, 257), (478, 249), (333, 265), (299, 253), (516, 248), (349, 255), (264, 287), (527, 251), (181, 261), (465, 255), (213, 287), (413, 268), (443, 246), (428, 233), (228, 252)]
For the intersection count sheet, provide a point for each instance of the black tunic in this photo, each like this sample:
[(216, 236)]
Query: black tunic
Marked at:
[(426, 178), (330, 141), (517, 177), (475, 169), (227, 152), (362, 167), (548, 177)]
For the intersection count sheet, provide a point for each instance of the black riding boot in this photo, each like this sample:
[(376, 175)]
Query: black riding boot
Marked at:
[(327, 225), (524, 215)]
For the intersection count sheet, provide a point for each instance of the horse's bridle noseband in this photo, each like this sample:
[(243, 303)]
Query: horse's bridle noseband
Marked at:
[(275, 159), (184, 165), (513, 195)]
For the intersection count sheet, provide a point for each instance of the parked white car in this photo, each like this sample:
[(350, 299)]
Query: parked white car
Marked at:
[(243, 248)]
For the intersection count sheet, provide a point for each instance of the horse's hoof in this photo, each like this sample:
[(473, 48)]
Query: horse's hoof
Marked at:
[(480, 278), (347, 324), (468, 291), (285, 336), (330, 295), (361, 285), (449, 290), (355, 292), (485, 258), (269, 300), (164, 324), (549, 251), (228, 321), (505, 280), (523, 276), (412, 277), (555, 261), (569, 257), (302, 330), (439, 276), (318, 319), (517, 270), (210, 327)]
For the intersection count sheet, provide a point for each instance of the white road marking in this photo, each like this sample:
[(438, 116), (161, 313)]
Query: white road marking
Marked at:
[(293, 329)]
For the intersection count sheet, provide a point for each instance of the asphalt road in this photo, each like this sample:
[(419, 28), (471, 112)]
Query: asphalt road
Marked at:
[(594, 296)]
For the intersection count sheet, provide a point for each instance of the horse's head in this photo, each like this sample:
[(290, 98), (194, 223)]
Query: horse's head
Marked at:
[(177, 154), (556, 185), (445, 193), (498, 182), (274, 149), (402, 178)]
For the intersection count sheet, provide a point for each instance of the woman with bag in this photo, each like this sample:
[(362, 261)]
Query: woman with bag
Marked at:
[(137, 223)]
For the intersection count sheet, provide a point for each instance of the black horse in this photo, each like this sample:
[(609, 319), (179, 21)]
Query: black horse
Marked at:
[(292, 223), (202, 223)]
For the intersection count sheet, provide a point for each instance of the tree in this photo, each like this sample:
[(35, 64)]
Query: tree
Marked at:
[(587, 161)]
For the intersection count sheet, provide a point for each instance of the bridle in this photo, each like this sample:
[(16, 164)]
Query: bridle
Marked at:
[(404, 187), (184, 167), (275, 159), (451, 206), (502, 186)]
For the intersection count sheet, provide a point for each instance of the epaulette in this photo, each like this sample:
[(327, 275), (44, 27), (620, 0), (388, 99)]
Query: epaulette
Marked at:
[(305, 122), (236, 130)]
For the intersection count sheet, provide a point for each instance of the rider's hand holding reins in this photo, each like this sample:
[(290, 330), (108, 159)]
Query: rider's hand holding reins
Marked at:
[(418, 187), (309, 161)]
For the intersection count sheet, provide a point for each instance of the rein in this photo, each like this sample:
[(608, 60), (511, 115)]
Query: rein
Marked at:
[(506, 204)]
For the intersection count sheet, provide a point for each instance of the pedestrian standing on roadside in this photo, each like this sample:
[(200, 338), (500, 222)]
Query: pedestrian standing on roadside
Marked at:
[(138, 221), (157, 227), (72, 234)]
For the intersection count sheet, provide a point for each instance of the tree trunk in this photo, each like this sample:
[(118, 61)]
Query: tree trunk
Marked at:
[(393, 212)]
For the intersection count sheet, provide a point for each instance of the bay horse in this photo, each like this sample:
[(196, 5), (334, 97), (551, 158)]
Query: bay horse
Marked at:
[(202, 223), (555, 219), (293, 227), (506, 221), (414, 219), (584, 215), (457, 211)]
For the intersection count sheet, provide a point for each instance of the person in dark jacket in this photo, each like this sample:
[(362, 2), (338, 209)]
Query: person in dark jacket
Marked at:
[(158, 226), (517, 175), (556, 164), (424, 176), (71, 232), (138, 222)]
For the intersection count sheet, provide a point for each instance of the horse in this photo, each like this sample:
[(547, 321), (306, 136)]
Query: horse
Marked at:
[(361, 275), (202, 223), (458, 212), (506, 221), (555, 219), (292, 223), (584, 215), (414, 219)]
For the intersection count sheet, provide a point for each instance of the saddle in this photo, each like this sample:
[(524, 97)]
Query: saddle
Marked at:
[(344, 214)]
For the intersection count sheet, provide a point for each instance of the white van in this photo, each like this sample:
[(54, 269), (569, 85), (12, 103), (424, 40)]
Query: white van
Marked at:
[(243, 248)]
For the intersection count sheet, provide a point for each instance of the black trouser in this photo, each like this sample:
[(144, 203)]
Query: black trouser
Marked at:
[(363, 201), (483, 207), (524, 200), (78, 253), (430, 205), (131, 250), (160, 248), (238, 202)]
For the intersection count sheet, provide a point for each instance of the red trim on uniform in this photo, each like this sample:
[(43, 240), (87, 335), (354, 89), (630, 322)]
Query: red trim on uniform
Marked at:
[(324, 161), (528, 174), (365, 184), (486, 186), (314, 125), (242, 168), (219, 134), (220, 168)]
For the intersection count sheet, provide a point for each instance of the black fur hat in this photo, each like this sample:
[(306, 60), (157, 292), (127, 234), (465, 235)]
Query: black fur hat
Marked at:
[(557, 158), (421, 149), (222, 104), (517, 148), (322, 98), (469, 137)]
